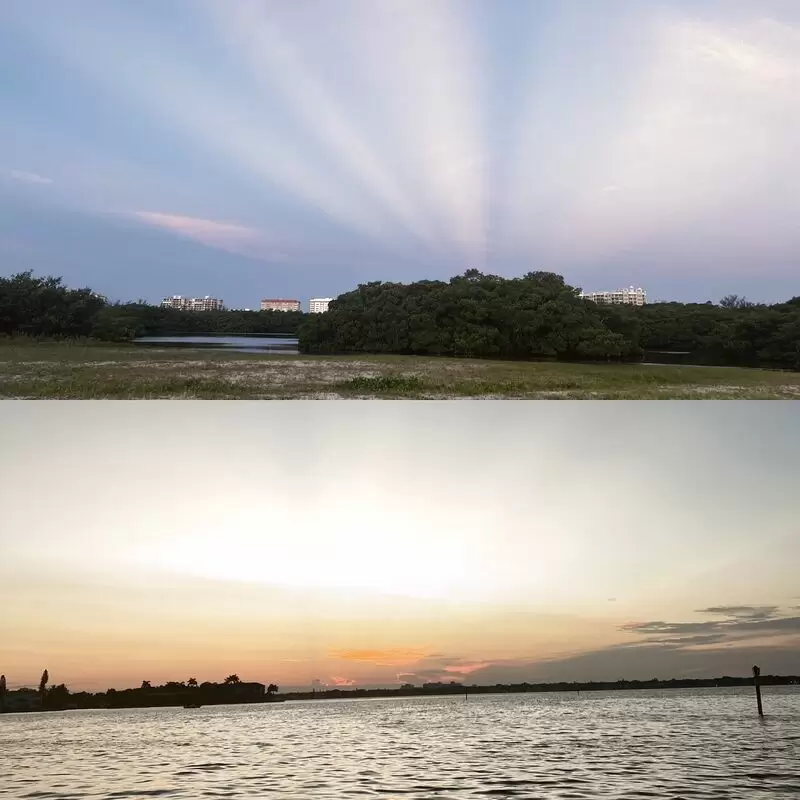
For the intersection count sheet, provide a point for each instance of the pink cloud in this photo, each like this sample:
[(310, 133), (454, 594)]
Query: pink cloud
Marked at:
[(227, 236), (441, 668), (381, 657), (465, 669), (337, 680)]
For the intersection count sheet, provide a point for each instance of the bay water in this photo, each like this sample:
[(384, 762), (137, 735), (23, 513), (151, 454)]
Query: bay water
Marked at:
[(706, 744)]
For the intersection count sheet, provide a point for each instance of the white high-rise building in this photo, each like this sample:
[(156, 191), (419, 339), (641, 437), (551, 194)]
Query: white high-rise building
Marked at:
[(628, 297), (193, 303), (319, 305), (279, 304)]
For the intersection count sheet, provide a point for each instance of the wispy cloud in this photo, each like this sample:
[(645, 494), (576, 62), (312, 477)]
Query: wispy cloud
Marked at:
[(735, 623), (742, 612), (338, 680), (28, 177), (465, 669), (179, 93), (706, 648), (712, 117), (231, 237), (442, 668), (425, 134), (757, 52), (645, 661), (390, 657)]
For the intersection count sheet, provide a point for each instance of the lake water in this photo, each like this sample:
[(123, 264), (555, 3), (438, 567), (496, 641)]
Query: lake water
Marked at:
[(661, 744), (238, 344), (287, 345)]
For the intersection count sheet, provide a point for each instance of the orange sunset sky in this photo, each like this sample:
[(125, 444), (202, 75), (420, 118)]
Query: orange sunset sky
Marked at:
[(375, 543)]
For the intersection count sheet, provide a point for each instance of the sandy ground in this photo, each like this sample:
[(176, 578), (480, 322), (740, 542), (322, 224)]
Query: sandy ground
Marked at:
[(98, 371)]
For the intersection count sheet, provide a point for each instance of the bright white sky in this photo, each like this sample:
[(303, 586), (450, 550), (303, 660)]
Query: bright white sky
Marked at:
[(357, 542)]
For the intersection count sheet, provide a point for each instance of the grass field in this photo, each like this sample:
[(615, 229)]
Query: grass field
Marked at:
[(78, 371)]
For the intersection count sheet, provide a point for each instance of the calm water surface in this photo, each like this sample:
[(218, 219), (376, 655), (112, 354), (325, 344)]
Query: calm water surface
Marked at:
[(662, 744), (240, 344)]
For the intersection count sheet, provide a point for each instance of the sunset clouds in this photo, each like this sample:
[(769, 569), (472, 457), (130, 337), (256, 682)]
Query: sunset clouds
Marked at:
[(378, 545), (392, 657)]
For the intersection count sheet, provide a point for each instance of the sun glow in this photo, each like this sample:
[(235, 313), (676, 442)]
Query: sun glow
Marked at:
[(349, 565)]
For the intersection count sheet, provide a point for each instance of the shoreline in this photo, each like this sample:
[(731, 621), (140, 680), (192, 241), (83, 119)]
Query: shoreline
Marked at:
[(456, 691)]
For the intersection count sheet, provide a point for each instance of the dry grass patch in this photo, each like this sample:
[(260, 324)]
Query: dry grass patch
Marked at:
[(105, 371)]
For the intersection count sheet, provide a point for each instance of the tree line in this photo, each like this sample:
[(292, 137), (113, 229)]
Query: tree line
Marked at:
[(539, 316), (45, 308), (123, 322), (172, 693), (190, 692), (456, 688)]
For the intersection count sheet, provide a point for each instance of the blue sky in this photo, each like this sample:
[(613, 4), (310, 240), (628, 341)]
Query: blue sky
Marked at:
[(254, 148)]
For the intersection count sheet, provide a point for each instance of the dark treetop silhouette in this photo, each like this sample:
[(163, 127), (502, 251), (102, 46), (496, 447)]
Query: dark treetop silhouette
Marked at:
[(540, 316), (474, 315), (174, 693)]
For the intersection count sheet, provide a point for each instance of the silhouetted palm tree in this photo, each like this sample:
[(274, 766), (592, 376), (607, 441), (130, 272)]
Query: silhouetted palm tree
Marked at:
[(272, 689), (232, 679), (43, 687), (191, 682), (146, 685)]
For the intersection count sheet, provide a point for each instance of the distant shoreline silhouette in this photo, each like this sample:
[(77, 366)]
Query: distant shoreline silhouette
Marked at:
[(233, 691), (188, 693)]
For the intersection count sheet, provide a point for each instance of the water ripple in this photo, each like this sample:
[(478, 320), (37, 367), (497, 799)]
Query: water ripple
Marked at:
[(689, 744)]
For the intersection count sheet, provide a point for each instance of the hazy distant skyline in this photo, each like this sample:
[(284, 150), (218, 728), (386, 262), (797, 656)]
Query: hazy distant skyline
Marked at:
[(259, 148), (372, 543)]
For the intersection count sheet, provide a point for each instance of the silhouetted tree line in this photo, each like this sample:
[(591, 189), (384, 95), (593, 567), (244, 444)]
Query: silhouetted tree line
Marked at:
[(540, 316), (232, 690), (473, 315), (45, 308), (173, 693), (454, 688)]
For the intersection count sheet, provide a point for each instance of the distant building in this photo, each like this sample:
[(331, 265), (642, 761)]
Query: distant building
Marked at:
[(277, 304), (193, 303), (176, 301), (206, 304), (628, 297), (319, 305)]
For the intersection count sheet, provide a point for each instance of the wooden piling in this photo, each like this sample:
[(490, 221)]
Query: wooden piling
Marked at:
[(757, 684)]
